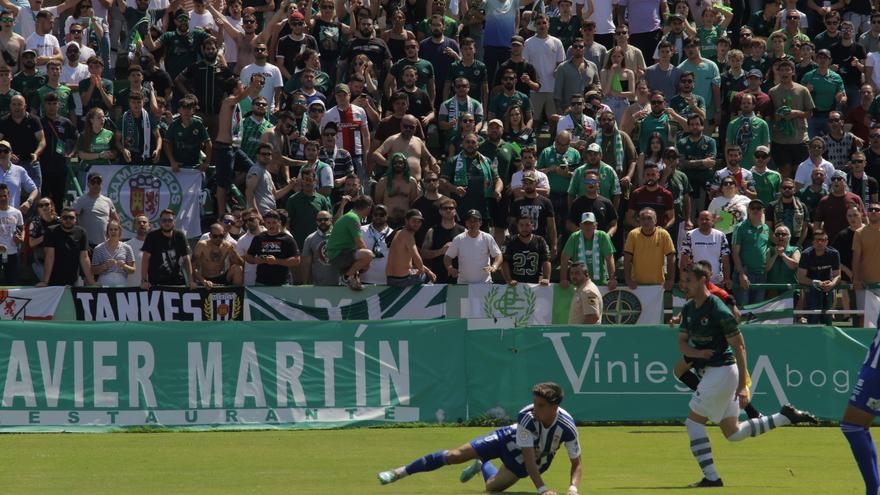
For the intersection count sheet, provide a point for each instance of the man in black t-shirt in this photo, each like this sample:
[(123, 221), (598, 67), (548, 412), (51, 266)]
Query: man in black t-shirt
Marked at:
[(592, 201), (166, 259), (538, 208), (273, 251), (526, 256), (64, 243)]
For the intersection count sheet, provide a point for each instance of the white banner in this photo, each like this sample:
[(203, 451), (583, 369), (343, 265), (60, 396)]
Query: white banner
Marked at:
[(870, 300), (30, 304), (147, 190), (533, 304), (525, 304)]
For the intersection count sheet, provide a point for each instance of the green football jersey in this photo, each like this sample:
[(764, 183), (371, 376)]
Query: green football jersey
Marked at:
[(708, 327)]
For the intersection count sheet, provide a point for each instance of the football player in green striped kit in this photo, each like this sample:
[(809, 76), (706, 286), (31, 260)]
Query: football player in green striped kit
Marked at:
[(709, 331)]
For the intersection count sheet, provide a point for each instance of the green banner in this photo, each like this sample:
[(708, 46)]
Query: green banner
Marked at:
[(624, 373), (104, 376), (236, 375)]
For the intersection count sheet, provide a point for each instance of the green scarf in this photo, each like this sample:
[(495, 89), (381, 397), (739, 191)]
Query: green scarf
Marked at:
[(595, 257), (461, 173), (130, 133), (618, 149), (389, 172)]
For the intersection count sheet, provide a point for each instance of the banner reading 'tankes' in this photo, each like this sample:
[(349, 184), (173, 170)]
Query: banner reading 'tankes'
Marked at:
[(162, 304)]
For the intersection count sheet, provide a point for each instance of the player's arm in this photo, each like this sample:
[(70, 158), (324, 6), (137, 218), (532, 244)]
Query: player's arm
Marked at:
[(739, 350), (531, 465), (685, 348), (575, 475)]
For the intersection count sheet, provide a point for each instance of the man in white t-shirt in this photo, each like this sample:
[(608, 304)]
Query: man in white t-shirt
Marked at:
[(706, 243), (272, 74), (544, 52), (478, 254), (377, 236), (200, 18), (45, 44), (72, 72), (11, 228), (141, 229), (26, 18), (253, 224)]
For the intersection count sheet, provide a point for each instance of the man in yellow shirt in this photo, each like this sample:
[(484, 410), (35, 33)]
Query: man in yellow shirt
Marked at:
[(586, 303), (644, 253)]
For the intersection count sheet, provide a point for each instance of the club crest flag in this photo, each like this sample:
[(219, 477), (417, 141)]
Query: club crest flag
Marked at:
[(30, 304), (534, 304), (147, 190)]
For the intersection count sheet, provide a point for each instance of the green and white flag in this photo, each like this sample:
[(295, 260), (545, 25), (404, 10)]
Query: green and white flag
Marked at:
[(424, 302), (776, 311)]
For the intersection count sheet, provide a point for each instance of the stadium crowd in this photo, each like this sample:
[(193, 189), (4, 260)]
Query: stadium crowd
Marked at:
[(408, 141)]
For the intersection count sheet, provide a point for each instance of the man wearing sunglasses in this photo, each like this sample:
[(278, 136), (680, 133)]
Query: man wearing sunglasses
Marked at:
[(167, 259), (63, 244), (182, 44)]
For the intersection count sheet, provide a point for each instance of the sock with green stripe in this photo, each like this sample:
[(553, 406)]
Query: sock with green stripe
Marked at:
[(758, 426), (701, 449)]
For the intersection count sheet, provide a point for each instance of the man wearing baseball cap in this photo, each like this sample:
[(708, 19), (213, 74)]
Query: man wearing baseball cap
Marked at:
[(477, 252), (609, 185), (352, 127), (594, 249), (293, 44), (826, 87), (525, 73)]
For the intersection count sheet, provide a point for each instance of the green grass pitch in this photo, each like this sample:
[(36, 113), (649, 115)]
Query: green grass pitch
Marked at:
[(617, 460)]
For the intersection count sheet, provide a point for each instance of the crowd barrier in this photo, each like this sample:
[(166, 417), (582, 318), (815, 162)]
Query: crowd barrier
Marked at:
[(524, 304), (106, 376)]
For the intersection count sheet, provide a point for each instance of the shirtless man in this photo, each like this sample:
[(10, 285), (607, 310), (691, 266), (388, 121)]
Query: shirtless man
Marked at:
[(412, 147), (215, 260), (228, 158), (11, 43), (405, 267), (400, 193), (245, 39), (279, 138)]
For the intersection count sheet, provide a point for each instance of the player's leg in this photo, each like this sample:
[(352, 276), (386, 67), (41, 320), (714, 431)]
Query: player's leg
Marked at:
[(857, 418), (430, 462), (701, 448), (501, 480), (855, 426), (735, 431), (684, 374)]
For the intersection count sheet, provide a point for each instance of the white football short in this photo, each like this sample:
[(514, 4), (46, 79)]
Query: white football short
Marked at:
[(715, 397)]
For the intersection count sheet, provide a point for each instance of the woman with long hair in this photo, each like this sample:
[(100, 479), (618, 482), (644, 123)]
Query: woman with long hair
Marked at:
[(362, 66), (618, 82), (113, 260), (95, 145), (653, 155), (638, 110), (36, 234), (515, 130)]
